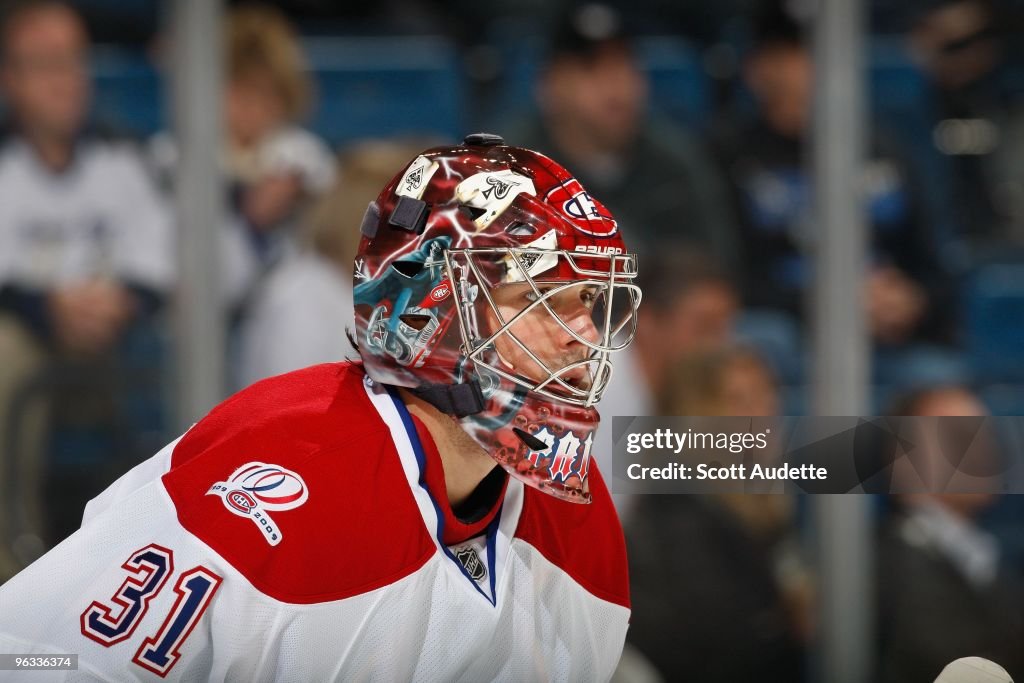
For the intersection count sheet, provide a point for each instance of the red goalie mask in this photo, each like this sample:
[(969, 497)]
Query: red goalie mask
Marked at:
[(493, 285)]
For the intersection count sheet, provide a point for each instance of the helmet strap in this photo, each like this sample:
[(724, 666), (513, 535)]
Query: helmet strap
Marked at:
[(454, 399)]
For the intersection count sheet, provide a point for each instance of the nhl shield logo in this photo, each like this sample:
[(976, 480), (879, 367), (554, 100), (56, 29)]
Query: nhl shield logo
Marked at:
[(470, 561)]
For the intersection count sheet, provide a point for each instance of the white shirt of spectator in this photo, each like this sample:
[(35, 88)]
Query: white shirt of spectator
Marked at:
[(102, 216), (971, 550), (298, 318)]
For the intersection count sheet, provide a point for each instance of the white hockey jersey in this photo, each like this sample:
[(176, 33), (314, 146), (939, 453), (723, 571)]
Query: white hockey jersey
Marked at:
[(301, 532)]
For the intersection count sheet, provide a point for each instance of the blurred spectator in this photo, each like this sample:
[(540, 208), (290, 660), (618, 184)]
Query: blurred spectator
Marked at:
[(959, 45), (689, 307), (906, 292), (943, 590), (718, 590), (654, 178), (273, 167), (301, 311), (962, 51), (274, 164), (85, 240), (970, 51), (720, 380)]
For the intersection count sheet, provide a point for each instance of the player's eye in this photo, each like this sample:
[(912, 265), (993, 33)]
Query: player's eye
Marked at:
[(591, 295), (532, 296)]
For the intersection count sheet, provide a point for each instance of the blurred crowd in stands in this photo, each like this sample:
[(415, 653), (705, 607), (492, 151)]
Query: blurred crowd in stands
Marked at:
[(690, 121)]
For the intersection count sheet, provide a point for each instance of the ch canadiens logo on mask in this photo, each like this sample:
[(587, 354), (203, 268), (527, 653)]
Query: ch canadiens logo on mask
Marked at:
[(255, 489), (441, 292), (588, 215)]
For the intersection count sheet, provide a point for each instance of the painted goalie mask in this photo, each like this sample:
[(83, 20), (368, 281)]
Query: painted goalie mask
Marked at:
[(493, 286)]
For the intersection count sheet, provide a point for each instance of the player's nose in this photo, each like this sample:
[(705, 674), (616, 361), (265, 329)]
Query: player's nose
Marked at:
[(579, 319)]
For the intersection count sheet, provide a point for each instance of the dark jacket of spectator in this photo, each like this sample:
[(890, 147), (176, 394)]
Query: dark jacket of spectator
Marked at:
[(705, 604), (772, 185), (932, 610)]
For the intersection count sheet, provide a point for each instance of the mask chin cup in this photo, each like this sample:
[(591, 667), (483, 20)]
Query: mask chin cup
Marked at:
[(459, 400)]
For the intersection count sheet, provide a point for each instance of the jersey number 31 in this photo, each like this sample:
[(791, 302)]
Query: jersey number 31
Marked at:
[(148, 570)]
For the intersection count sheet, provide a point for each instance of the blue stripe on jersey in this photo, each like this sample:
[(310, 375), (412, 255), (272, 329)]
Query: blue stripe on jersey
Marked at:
[(492, 541), (421, 460)]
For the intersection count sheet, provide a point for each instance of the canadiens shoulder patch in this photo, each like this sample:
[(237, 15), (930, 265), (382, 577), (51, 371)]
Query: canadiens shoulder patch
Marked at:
[(256, 488), (285, 479)]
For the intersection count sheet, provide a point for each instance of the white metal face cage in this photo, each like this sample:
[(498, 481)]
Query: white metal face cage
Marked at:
[(611, 286)]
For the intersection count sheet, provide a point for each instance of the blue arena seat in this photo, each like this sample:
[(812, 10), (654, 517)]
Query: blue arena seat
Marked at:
[(128, 90), (679, 84), (896, 83), (367, 87), (994, 310), (1004, 399), (377, 87)]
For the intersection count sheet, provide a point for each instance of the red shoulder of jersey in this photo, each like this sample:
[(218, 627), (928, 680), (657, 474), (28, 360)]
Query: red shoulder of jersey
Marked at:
[(585, 541), (294, 481)]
